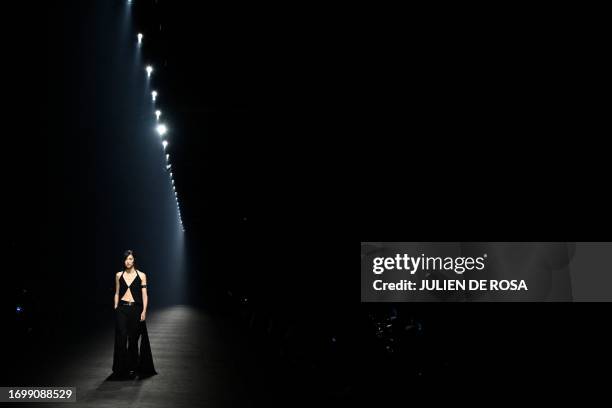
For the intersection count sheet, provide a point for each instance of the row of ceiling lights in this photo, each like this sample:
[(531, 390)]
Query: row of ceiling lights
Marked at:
[(161, 130)]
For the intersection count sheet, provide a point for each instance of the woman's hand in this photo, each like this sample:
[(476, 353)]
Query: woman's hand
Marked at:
[(143, 315)]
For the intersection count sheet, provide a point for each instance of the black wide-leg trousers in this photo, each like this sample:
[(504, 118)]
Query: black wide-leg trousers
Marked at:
[(130, 354), (127, 320)]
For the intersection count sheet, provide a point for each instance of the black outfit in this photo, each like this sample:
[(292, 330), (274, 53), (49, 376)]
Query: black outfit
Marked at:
[(130, 360)]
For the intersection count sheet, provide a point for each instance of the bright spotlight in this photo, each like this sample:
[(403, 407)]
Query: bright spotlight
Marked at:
[(161, 129), (168, 166), (165, 143), (157, 114), (154, 95), (149, 70), (139, 38)]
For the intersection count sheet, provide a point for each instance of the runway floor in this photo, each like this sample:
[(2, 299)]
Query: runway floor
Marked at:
[(197, 363)]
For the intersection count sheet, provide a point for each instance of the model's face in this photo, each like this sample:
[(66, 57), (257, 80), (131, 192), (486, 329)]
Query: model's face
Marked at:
[(129, 261)]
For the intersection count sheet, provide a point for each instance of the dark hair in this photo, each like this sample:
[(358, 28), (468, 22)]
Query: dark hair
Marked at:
[(126, 254)]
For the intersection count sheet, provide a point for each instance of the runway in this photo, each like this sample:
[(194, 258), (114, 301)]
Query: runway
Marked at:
[(198, 364)]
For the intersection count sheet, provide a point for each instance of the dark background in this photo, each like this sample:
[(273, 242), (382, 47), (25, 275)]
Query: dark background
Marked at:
[(292, 135)]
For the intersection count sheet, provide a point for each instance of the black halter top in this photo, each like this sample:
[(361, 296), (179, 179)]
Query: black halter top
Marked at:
[(135, 287)]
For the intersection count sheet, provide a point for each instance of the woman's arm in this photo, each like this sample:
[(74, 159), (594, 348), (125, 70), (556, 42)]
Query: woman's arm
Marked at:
[(116, 297), (145, 296)]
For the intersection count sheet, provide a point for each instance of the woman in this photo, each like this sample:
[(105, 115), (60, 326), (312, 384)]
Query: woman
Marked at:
[(131, 302)]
